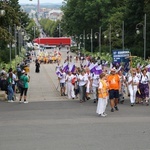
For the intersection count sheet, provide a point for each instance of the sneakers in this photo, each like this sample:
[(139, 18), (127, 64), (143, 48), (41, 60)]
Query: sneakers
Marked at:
[(94, 100), (103, 115), (10, 101), (25, 102), (112, 110), (132, 104)]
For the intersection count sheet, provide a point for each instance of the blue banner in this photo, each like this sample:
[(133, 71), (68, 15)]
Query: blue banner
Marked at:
[(120, 56)]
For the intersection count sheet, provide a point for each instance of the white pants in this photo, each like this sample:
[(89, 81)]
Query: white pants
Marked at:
[(132, 91), (88, 87), (70, 90), (94, 92), (101, 106)]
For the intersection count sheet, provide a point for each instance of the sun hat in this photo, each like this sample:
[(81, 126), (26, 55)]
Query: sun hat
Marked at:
[(113, 69)]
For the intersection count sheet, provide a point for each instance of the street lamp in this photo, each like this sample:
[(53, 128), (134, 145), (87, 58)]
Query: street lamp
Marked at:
[(144, 33), (34, 28), (106, 36), (99, 41), (118, 31), (82, 36), (59, 29), (90, 36), (10, 46), (2, 12)]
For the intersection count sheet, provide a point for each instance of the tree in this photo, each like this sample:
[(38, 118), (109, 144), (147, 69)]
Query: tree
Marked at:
[(13, 16)]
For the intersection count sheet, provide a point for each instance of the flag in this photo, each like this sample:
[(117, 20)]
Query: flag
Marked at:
[(71, 67), (65, 67), (126, 66), (97, 70), (92, 67), (148, 68), (119, 69), (59, 74)]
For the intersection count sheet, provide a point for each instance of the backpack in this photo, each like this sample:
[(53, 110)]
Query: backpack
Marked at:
[(20, 84), (4, 84)]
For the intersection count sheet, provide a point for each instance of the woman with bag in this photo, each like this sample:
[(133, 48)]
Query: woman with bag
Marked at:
[(25, 79)]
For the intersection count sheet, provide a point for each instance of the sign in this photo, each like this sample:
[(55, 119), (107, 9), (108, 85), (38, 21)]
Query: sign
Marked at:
[(120, 56)]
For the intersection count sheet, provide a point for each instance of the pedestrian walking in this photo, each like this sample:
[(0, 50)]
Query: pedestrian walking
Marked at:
[(88, 86), (114, 87), (133, 83), (83, 80), (62, 81), (70, 86), (102, 95), (144, 87), (37, 66)]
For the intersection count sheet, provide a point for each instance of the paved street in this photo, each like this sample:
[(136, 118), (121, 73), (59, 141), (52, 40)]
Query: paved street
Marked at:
[(52, 122)]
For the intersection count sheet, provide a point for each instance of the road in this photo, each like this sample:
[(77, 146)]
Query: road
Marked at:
[(52, 122)]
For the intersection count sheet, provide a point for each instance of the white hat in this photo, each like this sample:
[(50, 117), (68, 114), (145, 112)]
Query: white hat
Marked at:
[(23, 71), (113, 69)]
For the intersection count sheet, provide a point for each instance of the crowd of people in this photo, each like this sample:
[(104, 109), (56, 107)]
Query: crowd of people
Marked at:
[(48, 57), (92, 79), (15, 81), (96, 81)]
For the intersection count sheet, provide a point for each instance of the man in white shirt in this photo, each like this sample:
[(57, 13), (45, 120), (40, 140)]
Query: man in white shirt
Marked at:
[(62, 81), (83, 80)]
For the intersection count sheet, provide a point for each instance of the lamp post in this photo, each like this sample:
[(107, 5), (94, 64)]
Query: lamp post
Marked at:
[(18, 31), (99, 39), (59, 29), (82, 36), (15, 43), (105, 37), (118, 31), (34, 28), (10, 48), (144, 33), (90, 35), (21, 33)]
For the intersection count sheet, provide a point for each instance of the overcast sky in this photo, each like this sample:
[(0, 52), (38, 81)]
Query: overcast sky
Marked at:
[(41, 1)]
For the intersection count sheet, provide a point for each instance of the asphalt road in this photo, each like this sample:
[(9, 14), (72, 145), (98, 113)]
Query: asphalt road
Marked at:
[(69, 125), (52, 122)]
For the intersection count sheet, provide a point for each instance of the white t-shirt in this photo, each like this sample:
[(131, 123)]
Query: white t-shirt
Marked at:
[(135, 80), (95, 80), (63, 79), (144, 79), (14, 78), (69, 78), (82, 79)]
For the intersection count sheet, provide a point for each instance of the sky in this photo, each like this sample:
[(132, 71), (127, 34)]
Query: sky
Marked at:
[(41, 1)]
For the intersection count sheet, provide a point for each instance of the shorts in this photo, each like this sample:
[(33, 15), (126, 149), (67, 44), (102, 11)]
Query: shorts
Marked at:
[(113, 94), (62, 84)]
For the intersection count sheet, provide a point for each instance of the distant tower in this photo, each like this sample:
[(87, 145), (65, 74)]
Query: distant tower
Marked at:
[(38, 7)]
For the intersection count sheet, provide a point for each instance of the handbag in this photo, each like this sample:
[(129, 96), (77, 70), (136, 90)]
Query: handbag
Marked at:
[(20, 84)]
